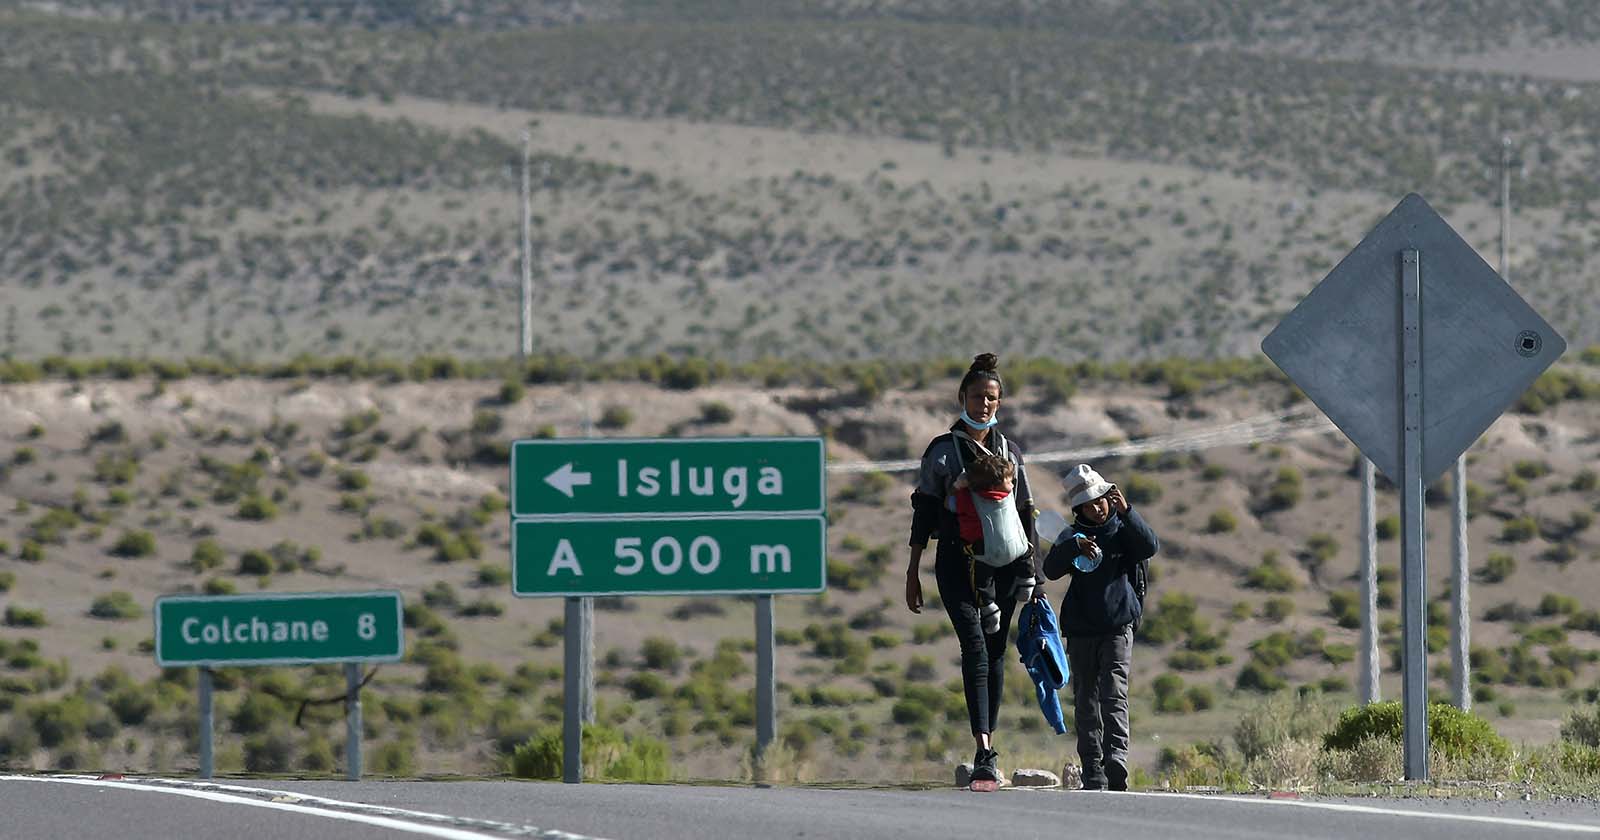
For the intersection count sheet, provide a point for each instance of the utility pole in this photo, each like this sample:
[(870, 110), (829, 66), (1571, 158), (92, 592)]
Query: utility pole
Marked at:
[(1371, 691), (1460, 601), (525, 346)]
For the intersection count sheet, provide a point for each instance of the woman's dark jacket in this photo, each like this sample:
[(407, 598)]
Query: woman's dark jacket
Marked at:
[(1103, 601)]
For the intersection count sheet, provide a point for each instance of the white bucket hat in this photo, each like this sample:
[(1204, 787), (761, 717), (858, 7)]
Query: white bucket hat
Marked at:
[(1084, 485)]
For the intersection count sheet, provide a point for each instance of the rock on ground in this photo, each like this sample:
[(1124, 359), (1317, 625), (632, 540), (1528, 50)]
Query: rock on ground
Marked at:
[(1072, 777), (1035, 778), (963, 774)]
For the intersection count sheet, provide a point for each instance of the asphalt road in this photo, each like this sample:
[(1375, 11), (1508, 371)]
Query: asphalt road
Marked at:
[(176, 810)]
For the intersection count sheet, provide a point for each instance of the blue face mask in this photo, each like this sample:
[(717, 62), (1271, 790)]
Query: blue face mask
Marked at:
[(967, 419)]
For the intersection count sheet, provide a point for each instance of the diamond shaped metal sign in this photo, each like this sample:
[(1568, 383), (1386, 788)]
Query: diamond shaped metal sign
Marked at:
[(1482, 345)]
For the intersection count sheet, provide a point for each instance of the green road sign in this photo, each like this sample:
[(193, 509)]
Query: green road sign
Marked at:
[(288, 629), (658, 556), (684, 477)]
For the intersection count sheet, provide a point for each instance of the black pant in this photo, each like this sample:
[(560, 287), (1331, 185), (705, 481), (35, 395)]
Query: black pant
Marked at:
[(983, 656)]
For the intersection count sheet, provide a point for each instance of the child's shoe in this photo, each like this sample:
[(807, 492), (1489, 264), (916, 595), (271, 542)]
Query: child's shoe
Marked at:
[(991, 618), (1022, 590)]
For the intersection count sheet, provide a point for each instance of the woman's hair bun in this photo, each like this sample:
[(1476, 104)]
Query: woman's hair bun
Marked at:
[(985, 361)]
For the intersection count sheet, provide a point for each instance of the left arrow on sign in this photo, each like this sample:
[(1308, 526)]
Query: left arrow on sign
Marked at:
[(564, 479)]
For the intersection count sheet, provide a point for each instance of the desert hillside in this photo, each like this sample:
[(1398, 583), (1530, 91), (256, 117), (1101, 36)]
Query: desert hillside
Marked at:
[(115, 492)]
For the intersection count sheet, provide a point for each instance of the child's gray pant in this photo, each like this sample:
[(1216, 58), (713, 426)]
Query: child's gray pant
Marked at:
[(1100, 699)]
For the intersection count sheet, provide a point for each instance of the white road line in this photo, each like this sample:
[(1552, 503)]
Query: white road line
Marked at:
[(1385, 812), (397, 819)]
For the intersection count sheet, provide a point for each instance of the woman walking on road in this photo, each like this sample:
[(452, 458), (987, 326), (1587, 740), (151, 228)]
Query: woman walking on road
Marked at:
[(934, 506)]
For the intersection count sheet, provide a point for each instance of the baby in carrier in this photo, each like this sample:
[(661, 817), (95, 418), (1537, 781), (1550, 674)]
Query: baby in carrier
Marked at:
[(992, 534)]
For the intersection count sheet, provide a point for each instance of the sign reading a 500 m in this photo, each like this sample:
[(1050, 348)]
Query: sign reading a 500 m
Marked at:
[(672, 516)]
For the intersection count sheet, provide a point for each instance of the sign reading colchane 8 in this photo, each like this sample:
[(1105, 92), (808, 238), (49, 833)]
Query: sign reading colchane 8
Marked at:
[(284, 629)]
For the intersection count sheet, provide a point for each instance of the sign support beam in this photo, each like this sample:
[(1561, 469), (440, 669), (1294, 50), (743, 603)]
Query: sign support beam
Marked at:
[(352, 721), (766, 676), (1414, 577), (1371, 690), (577, 701), (207, 765)]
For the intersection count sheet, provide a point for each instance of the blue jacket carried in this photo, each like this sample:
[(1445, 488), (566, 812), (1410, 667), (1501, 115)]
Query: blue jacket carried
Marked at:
[(1039, 643)]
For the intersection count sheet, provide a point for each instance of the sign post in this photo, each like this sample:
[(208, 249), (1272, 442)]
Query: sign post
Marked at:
[(1413, 364), (699, 516), (280, 629)]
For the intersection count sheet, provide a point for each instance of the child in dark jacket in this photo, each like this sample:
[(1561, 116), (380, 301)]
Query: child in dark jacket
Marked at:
[(1105, 551)]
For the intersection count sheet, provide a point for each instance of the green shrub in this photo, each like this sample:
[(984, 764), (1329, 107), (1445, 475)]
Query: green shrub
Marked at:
[(1497, 568), (607, 754), (1339, 654), (207, 555), (1285, 490), (134, 544), (257, 508), (131, 705), (1256, 677), (1170, 696), (1174, 616), (512, 391), (1277, 609), (1221, 522), (646, 685), (23, 617), (661, 654), (493, 574), (269, 752), (7, 580), (1345, 607), (1582, 727), (317, 756), (256, 562), (117, 605), (615, 417), (1141, 490), (1455, 734), (1520, 529), (396, 758), (1283, 717), (1387, 528), (1531, 470), (1321, 548), (351, 480), (716, 412), (219, 586), (1271, 576), (1555, 604), (1586, 481)]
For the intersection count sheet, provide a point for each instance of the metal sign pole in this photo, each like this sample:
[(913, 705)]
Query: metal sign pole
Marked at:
[(574, 678), (766, 676), (206, 762), (1371, 692), (586, 657), (1414, 579), (1461, 614), (352, 721)]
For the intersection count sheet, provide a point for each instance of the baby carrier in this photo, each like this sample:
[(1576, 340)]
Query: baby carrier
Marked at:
[(1004, 540)]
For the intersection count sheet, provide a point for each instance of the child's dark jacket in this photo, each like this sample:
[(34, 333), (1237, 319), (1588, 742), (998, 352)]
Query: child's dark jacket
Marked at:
[(1101, 602)]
